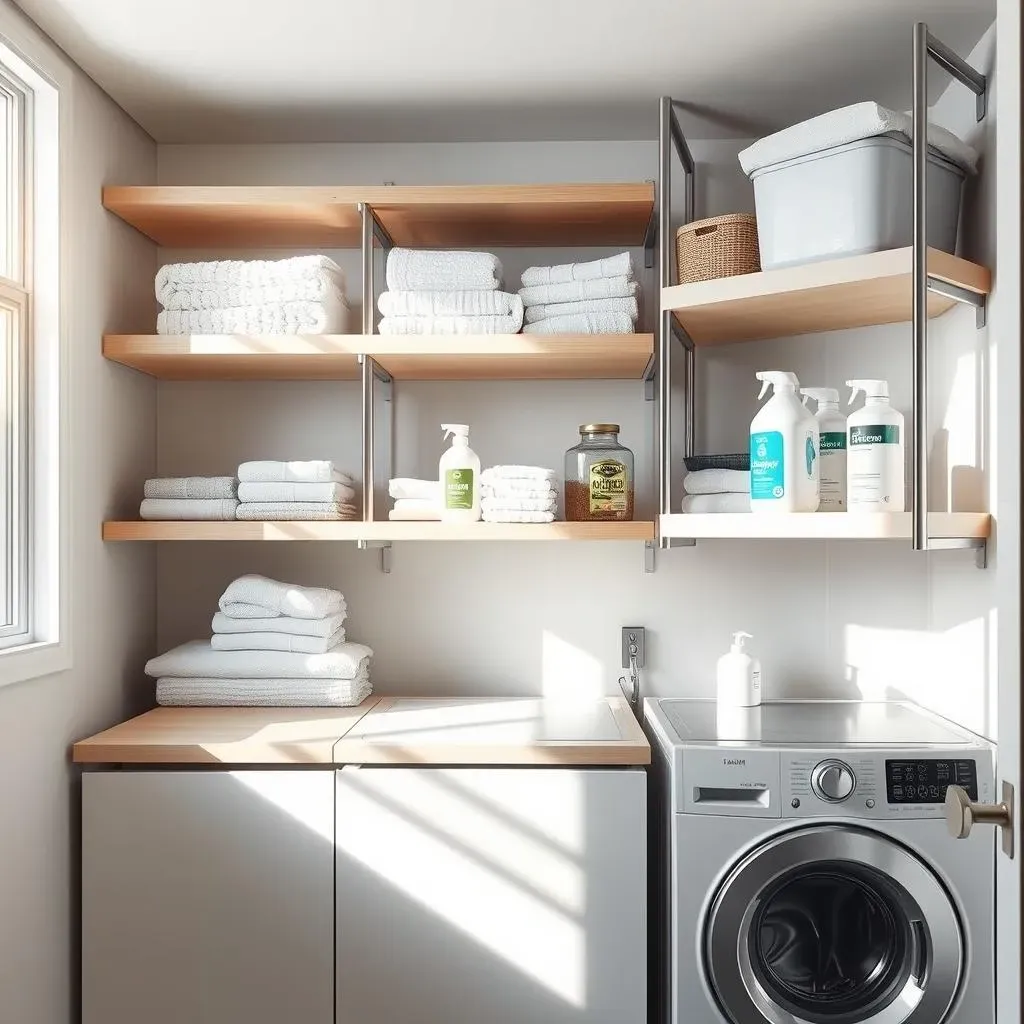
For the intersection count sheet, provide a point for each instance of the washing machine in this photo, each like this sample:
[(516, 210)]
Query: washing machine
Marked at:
[(806, 874)]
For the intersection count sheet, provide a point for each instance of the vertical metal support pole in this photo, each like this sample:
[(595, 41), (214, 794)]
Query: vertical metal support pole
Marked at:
[(919, 489), (690, 440), (369, 368), (367, 254), (664, 403)]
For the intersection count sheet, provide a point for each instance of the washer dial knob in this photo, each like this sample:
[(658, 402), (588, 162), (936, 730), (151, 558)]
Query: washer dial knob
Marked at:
[(833, 781)]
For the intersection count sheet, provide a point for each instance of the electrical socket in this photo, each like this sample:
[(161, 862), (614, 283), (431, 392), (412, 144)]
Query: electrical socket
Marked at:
[(634, 636)]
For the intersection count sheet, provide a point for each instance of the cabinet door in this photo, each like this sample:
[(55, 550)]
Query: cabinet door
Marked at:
[(510, 896), (207, 897)]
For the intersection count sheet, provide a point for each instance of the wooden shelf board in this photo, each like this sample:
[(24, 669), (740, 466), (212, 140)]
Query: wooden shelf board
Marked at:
[(379, 531), (822, 525), (832, 295)]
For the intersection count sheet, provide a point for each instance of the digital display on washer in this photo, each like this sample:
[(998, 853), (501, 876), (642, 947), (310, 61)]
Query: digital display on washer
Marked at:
[(924, 781)]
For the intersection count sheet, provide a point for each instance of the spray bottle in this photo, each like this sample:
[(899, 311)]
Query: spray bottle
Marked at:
[(459, 476), (875, 463), (831, 448)]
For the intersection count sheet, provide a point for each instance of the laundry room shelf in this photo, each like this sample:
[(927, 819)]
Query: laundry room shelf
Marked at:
[(336, 356), (823, 526), (832, 295), (379, 531)]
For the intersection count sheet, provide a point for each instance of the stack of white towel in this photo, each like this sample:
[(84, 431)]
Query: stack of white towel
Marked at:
[(294, 491), (189, 498), (415, 500), (274, 645), (301, 295), (518, 494), (717, 490), (431, 292), (581, 298)]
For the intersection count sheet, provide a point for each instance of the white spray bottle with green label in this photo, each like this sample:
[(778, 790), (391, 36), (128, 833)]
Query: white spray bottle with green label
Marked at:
[(831, 448), (875, 460), (459, 476), (783, 449)]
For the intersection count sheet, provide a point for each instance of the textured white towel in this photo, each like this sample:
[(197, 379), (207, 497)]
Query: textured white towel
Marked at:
[(222, 283), (515, 516), (577, 291), (198, 658), (274, 693), (583, 323), (717, 481), (327, 317), (416, 504), (276, 642), (430, 270), (277, 598), (498, 474), (294, 511), (488, 505), (544, 310), (283, 490), (613, 266), (280, 623), (312, 472), (408, 487), (188, 509), (848, 124), (509, 324), (190, 487), (466, 303), (428, 513), (518, 489), (703, 503)]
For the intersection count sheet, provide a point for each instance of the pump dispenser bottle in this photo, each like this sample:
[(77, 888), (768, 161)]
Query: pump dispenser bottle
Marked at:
[(738, 676), (459, 477), (875, 462), (831, 448)]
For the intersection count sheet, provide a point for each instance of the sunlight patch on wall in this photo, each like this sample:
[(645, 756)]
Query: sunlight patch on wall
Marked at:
[(569, 672)]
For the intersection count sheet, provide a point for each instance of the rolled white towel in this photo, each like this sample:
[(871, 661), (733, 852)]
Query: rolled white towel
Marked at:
[(717, 481), (314, 471), (294, 511), (402, 487), (291, 624), (544, 310), (277, 598), (577, 291), (705, 503), (583, 323), (500, 474), (509, 324), (517, 505), (440, 271), (517, 516), (188, 509), (613, 266), (274, 693), (464, 303), (283, 490), (518, 489), (207, 487), (277, 642), (330, 316), (198, 658)]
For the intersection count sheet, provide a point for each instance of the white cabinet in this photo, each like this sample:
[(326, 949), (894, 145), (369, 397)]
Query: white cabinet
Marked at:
[(206, 897), (510, 896)]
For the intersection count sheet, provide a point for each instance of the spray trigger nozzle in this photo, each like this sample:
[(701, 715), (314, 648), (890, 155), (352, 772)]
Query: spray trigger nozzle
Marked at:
[(776, 379), (460, 430), (871, 389)]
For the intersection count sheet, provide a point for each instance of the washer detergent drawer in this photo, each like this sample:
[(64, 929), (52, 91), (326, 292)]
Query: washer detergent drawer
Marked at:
[(737, 782)]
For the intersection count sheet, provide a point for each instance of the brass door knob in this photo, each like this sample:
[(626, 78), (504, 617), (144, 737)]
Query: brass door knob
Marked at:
[(962, 814)]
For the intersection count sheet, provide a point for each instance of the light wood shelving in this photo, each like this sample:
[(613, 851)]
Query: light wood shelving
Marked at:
[(832, 295), (822, 526)]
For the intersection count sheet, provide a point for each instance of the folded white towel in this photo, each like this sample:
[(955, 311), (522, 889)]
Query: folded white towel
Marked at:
[(518, 489), (501, 474), (583, 323), (544, 310), (515, 516), (465, 303), (430, 270), (283, 490), (704, 503), (416, 504), (244, 274), (198, 658), (289, 624), (277, 598), (577, 291), (717, 481), (849, 124), (274, 693), (207, 487), (313, 472), (277, 642), (188, 509), (402, 487), (428, 513), (331, 316), (277, 285), (612, 266), (294, 511), (509, 324), (517, 505)]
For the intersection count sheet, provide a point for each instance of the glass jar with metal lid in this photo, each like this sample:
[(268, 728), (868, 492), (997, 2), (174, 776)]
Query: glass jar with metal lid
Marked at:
[(599, 476)]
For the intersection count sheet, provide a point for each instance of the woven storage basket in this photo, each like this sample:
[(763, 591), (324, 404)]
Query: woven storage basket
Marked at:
[(718, 247)]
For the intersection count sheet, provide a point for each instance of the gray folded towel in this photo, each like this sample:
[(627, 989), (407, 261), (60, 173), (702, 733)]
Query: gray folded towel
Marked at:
[(190, 487)]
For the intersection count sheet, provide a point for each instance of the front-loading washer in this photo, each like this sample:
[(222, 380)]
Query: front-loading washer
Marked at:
[(806, 875)]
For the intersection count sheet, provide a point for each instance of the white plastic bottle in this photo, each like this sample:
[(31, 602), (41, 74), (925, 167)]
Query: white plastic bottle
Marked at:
[(783, 449), (875, 451), (831, 449), (459, 476), (738, 676)]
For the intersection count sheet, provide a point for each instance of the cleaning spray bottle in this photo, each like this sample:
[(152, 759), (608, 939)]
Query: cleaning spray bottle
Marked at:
[(875, 463), (831, 448), (459, 476), (783, 449)]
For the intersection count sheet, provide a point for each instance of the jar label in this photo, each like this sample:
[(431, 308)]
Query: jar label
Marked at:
[(767, 466), (458, 489), (608, 487)]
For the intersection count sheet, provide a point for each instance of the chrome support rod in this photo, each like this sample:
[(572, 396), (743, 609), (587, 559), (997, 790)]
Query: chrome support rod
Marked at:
[(956, 66), (664, 405), (691, 396), (919, 489), (369, 369), (367, 253)]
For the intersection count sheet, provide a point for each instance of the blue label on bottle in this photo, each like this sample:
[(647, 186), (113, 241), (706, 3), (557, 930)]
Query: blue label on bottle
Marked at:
[(767, 466)]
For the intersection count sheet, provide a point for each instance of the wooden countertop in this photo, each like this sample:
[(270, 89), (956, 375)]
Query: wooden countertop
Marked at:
[(388, 730)]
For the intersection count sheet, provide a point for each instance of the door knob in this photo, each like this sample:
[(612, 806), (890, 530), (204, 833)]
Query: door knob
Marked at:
[(962, 814)]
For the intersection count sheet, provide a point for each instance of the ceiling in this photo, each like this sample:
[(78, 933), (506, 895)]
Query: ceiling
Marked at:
[(445, 70)]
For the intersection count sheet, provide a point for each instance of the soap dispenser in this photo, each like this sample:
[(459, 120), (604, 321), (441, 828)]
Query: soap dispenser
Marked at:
[(739, 675)]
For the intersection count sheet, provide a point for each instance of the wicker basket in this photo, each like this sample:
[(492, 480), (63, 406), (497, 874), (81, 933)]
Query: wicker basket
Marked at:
[(718, 247)]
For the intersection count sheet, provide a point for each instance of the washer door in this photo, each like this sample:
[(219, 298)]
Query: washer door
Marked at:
[(833, 925)]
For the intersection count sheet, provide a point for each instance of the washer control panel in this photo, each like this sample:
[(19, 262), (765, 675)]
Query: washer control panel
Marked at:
[(833, 780)]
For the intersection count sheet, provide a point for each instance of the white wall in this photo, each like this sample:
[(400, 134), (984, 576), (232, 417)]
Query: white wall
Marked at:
[(108, 286), (829, 619)]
